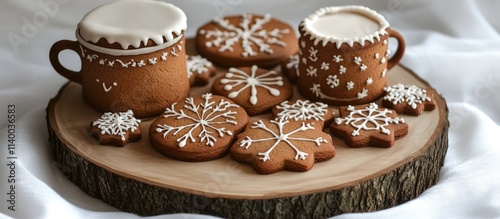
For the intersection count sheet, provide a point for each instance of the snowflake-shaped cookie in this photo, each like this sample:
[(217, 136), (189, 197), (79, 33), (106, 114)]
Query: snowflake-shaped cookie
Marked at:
[(275, 145), (198, 129), (257, 90), (199, 70), (408, 99), (305, 111), (368, 125), (116, 128)]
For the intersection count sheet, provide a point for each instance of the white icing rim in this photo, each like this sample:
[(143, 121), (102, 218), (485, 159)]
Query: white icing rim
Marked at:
[(132, 22), (124, 52), (317, 37)]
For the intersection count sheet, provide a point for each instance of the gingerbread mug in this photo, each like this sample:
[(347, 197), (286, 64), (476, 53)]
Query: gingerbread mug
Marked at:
[(344, 55), (131, 59)]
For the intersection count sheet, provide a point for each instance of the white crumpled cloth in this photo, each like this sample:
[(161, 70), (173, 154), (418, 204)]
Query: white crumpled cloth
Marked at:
[(454, 45)]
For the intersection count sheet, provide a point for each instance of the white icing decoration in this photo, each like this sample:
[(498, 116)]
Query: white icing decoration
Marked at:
[(382, 61), (337, 58), (325, 66), (117, 123), (281, 136), (303, 44), (363, 67), (237, 77), (313, 54), (363, 93), (357, 60), (384, 72), (385, 42), (106, 88), (293, 64), (152, 61), (388, 52), (210, 119), (318, 28), (302, 110), (370, 118), (173, 52), (316, 90), (369, 81), (333, 81), (249, 33), (304, 60), (412, 95), (312, 71), (197, 65), (132, 63), (123, 23), (342, 69), (350, 85), (377, 56)]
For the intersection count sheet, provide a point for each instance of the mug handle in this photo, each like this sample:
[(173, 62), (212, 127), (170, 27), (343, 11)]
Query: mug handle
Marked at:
[(401, 49), (56, 64)]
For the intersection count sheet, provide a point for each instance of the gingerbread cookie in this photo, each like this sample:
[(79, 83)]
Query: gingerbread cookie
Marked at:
[(290, 67), (257, 90), (246, 40), (198, 129), (199, 70), (116, 128), (368, 126), (408, 99), (305, 111), (275, 145)]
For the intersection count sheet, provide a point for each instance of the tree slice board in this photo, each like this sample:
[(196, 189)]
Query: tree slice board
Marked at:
[(138, 179)]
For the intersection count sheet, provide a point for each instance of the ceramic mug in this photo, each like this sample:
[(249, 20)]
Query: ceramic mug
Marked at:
[(126, 67), (344, 55)]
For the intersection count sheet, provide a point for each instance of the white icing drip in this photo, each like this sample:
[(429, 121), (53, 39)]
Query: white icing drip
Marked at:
[(370, 118), (320, 29), (132, 22), (236, 77), (120, 52), (281, 138)]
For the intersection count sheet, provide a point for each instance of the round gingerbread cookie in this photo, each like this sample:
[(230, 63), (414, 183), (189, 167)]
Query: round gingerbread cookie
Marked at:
[(198, 128), (255, 89), (246, 40), (275, 145)]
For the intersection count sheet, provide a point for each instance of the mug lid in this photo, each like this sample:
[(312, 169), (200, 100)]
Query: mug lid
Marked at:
[(345, 24), (132, 22)]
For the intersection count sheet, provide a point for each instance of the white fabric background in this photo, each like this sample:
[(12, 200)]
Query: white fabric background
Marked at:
[(454, 45)]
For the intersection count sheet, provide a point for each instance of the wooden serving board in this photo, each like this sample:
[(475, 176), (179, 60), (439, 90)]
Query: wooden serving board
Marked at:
[(138, 179)]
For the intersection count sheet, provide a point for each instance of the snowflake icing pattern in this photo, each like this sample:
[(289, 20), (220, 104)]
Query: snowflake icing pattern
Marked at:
[(249, 34), (412, 95), (360, 118), (212, 115), (117, 123), (302, 110), (237, 77), (280, 137), (197, 65)]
